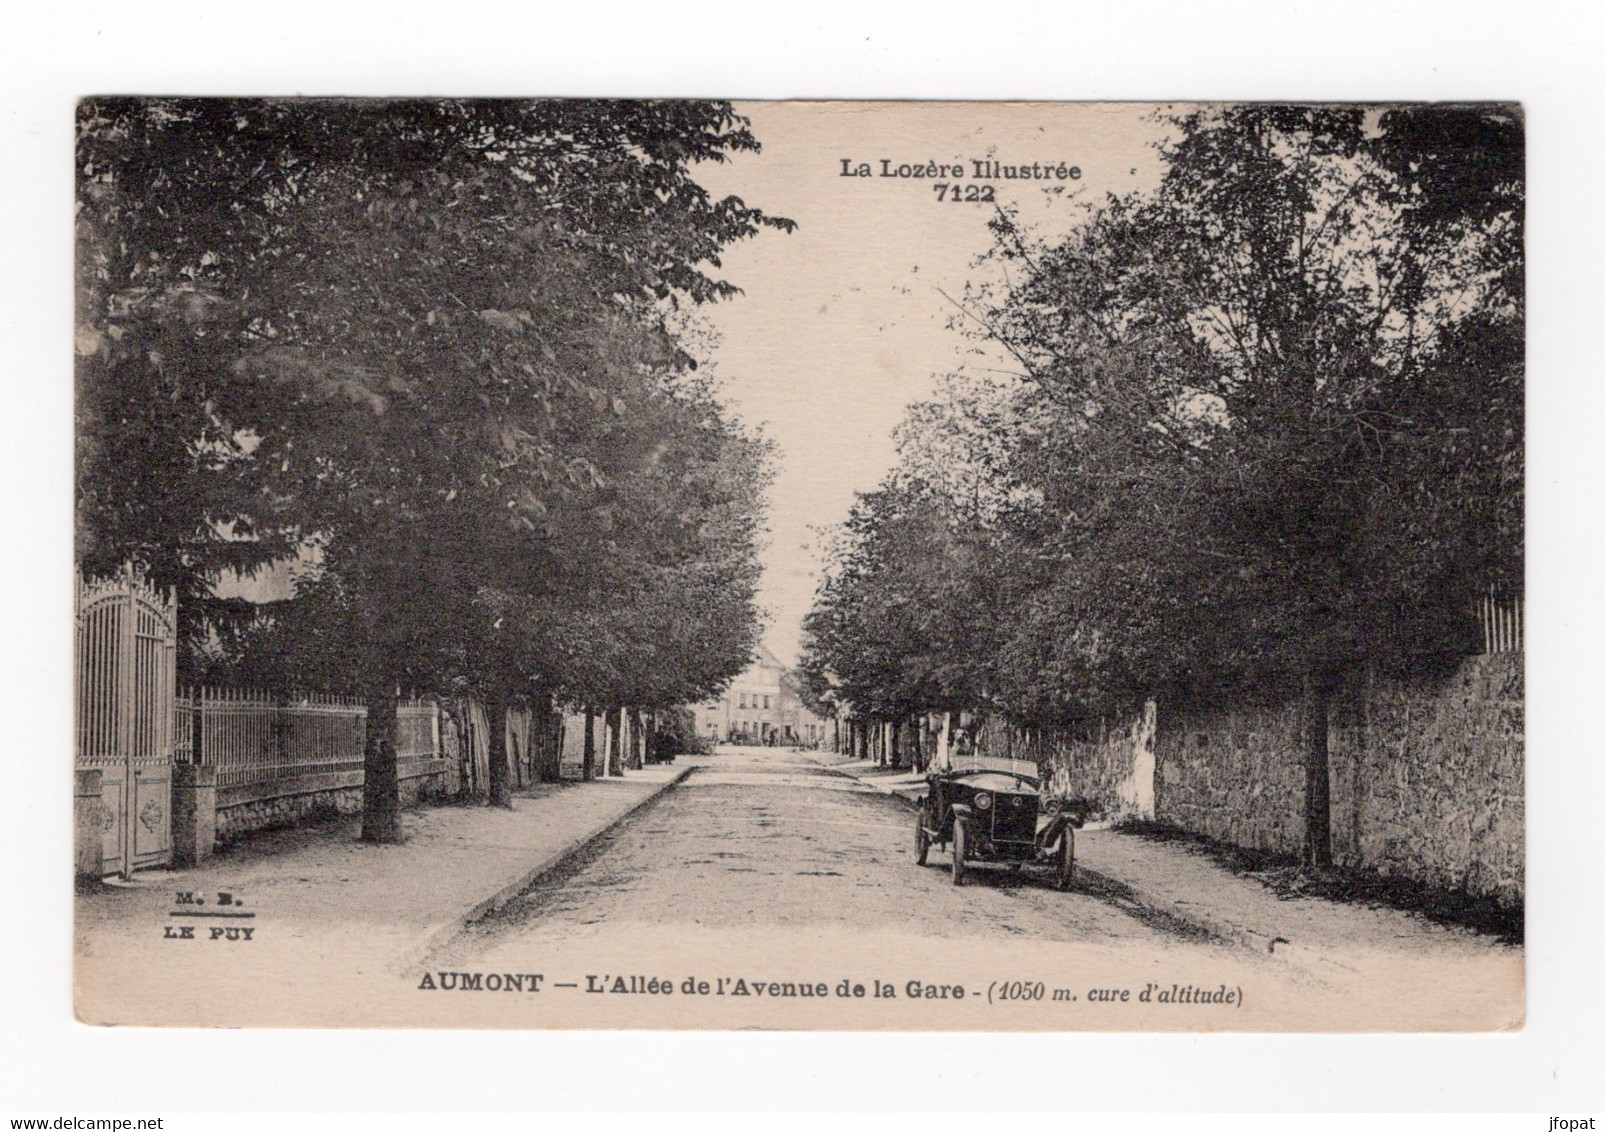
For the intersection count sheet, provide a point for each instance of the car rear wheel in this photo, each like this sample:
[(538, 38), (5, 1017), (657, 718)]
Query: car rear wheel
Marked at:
[(1066, 866), (961, 845), (922, 839)]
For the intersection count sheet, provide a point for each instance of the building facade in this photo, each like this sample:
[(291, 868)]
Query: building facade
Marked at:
[(760, 707)]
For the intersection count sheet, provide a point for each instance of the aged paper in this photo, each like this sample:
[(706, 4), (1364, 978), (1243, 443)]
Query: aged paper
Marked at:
[(747, 859)]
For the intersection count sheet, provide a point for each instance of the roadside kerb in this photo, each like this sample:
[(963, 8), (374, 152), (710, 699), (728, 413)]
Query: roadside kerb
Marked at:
[(1112, 889), (502, 895), (442, 933)]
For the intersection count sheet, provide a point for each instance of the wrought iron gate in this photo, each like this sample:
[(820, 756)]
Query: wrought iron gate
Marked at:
[(125, 671)]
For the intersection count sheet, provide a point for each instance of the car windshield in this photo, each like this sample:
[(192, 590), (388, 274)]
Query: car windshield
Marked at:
[(979, 764), (999, 783)]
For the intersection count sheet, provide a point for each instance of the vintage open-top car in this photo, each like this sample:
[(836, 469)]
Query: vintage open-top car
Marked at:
[(995, 816)]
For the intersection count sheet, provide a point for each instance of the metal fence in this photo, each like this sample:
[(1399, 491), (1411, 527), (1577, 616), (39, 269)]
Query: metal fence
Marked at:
[(252, 736), (1501, 620), (417, 730)]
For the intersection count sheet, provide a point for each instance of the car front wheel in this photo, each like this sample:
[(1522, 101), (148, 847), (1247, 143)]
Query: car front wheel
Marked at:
[(1066, 870), (961, 845)]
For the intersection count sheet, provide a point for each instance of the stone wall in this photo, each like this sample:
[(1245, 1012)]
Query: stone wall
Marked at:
[(236, 819), (1109, 764), (426, 782), (1427, 777), (1114, 769), (1429, 780), (1234, 775), (278, 805)]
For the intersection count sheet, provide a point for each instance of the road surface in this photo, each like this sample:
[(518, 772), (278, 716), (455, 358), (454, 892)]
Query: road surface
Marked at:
[(766, 866), (767, 837)]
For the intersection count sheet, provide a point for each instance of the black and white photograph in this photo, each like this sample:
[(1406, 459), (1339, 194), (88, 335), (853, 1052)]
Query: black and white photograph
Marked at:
[(683, 564)]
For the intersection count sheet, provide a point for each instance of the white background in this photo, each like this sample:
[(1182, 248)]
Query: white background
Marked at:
[(1542, 54)]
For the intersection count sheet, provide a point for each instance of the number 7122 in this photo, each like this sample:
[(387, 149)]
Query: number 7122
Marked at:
[(970, 194)]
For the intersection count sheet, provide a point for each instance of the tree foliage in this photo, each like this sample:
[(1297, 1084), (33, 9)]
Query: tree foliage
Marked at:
[(1266, 431), (426, 344)]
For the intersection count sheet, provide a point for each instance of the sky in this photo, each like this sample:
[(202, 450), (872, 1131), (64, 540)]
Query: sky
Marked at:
[(848, 320)]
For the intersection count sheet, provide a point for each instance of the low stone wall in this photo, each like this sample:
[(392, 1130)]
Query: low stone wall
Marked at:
[(1110, 765), (236, 818), (1427, 777), (276, 805), (425, 782)]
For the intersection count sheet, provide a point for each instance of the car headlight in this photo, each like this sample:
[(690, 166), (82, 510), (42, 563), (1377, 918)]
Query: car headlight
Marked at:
[(983, 801)]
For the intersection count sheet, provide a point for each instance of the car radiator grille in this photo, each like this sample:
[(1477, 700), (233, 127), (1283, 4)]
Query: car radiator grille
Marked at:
[(1014, 818)]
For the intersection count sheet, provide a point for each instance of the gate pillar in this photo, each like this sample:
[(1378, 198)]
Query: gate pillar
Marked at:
[(89, 834), (194, 812)]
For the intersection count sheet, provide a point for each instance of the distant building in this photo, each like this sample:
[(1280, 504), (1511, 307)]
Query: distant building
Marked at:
[(272, 581), (808, 729), (761, 703)]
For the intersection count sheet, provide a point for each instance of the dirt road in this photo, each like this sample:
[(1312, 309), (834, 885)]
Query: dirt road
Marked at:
[(766, 869), (768, 838)]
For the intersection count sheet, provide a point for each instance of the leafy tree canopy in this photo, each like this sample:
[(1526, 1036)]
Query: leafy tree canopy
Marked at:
[(1267, 428)]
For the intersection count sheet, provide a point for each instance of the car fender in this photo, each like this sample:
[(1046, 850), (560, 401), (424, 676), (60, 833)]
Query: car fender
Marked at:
[(1049, 833), (962, 811)]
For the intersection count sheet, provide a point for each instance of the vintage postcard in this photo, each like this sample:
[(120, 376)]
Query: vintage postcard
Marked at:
[(799, 565)]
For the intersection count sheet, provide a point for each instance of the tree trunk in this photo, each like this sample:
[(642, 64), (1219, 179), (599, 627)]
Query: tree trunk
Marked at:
[(895, 755), (1317, 781), (501, 791), (381, 783), (588, 770), (547, 741), (615, 764), (518, 753), (637, 739)]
